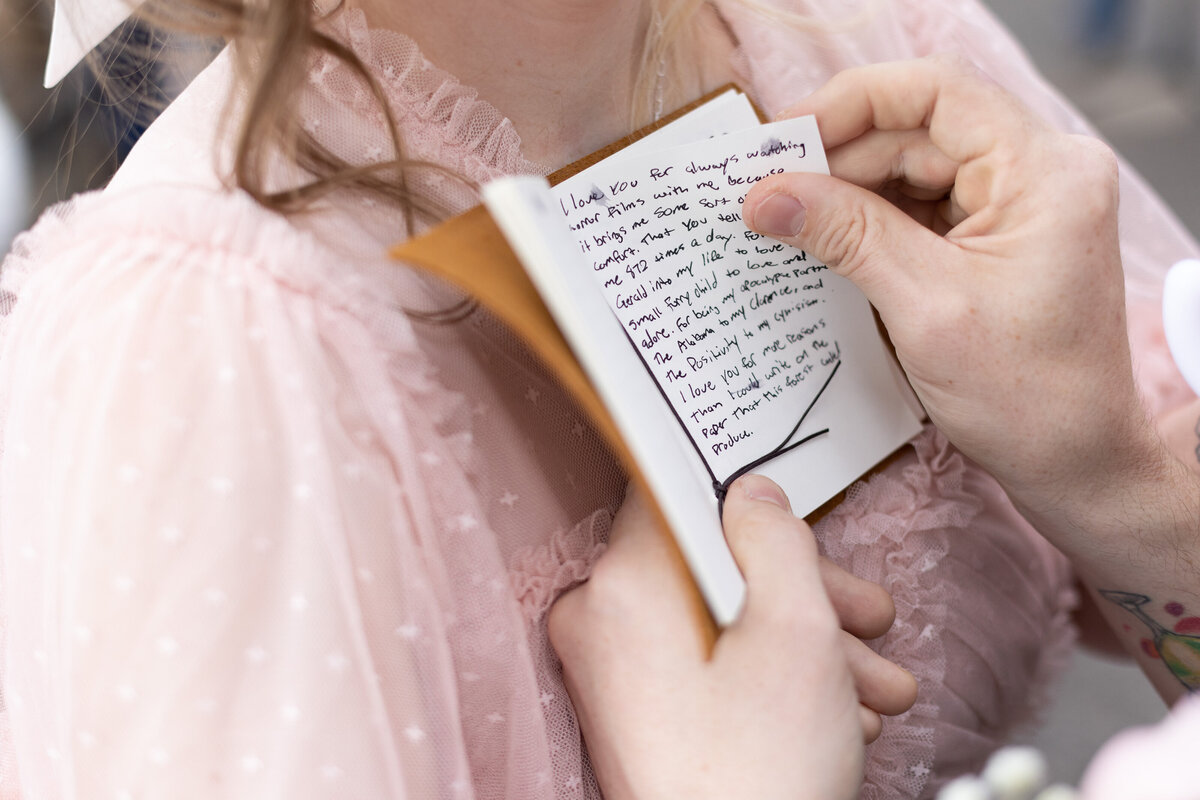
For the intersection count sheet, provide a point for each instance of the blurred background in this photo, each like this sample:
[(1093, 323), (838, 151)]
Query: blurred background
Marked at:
[(56, 143), (52, 143), (1131, 66)]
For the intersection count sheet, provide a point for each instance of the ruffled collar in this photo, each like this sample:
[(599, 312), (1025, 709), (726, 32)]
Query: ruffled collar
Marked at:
[(440, 118)]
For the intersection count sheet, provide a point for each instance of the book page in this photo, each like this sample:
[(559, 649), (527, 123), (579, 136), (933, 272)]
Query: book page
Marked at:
[(715, 350), (767, 359), (527, 214), (725, 113)]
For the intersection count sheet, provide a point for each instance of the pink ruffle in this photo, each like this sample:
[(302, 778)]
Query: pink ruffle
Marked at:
[(889, 507), (922, 528), (185, 218), (442, 120), (542, 573)]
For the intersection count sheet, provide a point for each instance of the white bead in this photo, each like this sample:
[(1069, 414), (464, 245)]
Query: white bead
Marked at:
[(1057, 792), (968, 787), (1015, 773)]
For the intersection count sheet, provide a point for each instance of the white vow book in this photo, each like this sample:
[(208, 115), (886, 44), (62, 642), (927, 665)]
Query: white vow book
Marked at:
[(715, 351)]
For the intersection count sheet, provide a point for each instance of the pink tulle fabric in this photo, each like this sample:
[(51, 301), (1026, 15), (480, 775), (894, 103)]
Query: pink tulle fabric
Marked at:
[(264, 533)]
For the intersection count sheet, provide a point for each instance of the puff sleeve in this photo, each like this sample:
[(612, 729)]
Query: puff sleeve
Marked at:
[(222, 562)]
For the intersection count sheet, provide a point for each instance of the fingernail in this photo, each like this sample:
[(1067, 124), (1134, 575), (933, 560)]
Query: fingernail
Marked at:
[(757, 487), (779, 215)]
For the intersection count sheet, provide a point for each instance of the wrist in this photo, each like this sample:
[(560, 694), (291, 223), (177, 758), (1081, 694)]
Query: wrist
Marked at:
[(1131, 490)]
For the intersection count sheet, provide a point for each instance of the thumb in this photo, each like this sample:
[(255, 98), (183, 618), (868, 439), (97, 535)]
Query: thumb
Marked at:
[(857, 233), (775, 551)]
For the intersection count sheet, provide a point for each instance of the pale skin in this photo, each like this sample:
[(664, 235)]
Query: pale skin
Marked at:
[(791, 692), (1180, 430), (563, 71), (1019, 356), (993, 262)]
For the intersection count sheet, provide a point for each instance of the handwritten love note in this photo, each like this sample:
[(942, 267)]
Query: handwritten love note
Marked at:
[(738, 330), (716, 351)]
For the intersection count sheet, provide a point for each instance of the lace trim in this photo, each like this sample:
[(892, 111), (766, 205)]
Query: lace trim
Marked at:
[(423, 98), (540, 574), (896, 528), (927, 496)]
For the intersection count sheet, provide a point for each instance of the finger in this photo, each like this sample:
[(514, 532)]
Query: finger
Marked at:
[(966, 113), (882, 686), (872, 724), (642, 574), (774, 550), (928, 214), (951, 210), (858, 234), (865, 609), (878, 158), (637, 534)]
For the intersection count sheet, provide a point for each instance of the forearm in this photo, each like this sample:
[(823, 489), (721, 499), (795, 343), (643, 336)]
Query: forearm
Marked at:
[(1134, 539), (1180, 431)]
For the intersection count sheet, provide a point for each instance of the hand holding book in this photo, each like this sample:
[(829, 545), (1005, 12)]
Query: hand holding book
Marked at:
[(702, 349), (716, 351), (997, 268)]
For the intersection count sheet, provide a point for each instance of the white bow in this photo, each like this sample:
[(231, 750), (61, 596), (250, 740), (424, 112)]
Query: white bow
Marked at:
[(79, 27)]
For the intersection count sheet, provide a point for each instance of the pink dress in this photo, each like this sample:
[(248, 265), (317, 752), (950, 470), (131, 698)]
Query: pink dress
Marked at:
[(265, 534)]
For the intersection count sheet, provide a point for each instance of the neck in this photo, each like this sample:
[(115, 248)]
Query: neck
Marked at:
[(564, 71)]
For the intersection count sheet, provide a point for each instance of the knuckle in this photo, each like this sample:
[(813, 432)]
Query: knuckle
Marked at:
[(846, 243), (853, 76), (775, 616), (1092, 171), (1099, 153), (814, 624), (953, 65), (1099, 164)]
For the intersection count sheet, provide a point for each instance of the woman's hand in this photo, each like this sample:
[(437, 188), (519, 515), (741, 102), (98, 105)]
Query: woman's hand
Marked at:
[(774, 712)]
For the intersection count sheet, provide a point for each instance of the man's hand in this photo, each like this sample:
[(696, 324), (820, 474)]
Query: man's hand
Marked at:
[(988, 243)]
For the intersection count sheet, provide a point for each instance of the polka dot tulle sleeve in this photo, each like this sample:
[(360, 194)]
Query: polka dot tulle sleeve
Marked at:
[(227, 517)]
